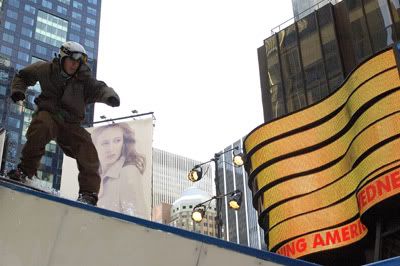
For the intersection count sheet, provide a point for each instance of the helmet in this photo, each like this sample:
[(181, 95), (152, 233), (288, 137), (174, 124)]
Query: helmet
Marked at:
[(73, 50)]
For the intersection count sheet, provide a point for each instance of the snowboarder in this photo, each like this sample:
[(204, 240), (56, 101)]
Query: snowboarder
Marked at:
[(66, 88)]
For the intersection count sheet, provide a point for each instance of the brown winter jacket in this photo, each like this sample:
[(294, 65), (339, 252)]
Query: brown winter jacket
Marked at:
[(63, 97)]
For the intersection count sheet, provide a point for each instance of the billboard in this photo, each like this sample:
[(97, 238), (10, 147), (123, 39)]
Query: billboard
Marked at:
[(125, 154), (315, 173)]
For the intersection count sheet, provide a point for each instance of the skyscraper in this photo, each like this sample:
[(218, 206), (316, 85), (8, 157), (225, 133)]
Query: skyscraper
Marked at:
[(170, 177), (33, 30), (309, 59)]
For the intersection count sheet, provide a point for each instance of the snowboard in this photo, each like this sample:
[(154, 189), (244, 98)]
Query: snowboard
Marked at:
[(21, 184)]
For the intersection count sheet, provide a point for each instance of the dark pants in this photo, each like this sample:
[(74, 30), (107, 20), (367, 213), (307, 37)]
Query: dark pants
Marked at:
[(74, 140)]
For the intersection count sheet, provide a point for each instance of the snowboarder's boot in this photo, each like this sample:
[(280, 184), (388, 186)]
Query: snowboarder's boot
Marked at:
[(88, 198), (17, 175)]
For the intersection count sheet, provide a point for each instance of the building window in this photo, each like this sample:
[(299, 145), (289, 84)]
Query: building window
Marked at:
[(75, 26), (14, 3), (90, 32), (3, 90), (47, 4), (74, 37), (62, 10), (67, 2), (46, 161), (93, 2), (76, 15), (16, 109), (30, 9), (51, 29), (3, 75), (91, 21), (23, 56), (28, 20), (26, 32), (13, 122), (41, 49), (51, 147), (10, 26), (77, 5), (92, 11), (12, 14), (6, 50), (8, 38), (25, 44), (89, 43)]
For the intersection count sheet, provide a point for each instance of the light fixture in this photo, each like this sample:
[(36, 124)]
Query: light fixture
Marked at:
[(198, 213), (235, 200), (234, 203), (238, 159), (195, 174)]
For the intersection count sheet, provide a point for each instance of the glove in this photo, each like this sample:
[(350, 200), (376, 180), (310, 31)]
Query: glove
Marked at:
[(17, 96), (113, 101)]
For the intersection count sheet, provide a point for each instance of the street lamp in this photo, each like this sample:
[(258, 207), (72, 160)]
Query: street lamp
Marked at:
[(238, 159), (200, 209), (197, 173)]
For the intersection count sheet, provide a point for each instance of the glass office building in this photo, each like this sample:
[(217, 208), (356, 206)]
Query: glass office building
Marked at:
[(33, 30), (308, 60)]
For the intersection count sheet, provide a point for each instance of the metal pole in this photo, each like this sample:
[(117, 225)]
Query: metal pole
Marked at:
[(124, 117), (218, 218)]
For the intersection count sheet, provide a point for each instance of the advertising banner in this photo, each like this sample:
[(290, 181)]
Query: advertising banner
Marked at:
[(316, 172), (125, 154)]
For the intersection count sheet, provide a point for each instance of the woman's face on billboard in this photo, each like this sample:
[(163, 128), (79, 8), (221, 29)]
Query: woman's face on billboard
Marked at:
[(109, 145)]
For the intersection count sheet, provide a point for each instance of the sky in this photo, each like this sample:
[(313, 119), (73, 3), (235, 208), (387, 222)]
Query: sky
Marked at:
[(193, 63)]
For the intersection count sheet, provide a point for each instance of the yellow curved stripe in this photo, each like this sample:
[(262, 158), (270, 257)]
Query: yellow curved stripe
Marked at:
[(290, 188), (305, 139), (313, 221), (314, 159), (373, 66), (343, 187)]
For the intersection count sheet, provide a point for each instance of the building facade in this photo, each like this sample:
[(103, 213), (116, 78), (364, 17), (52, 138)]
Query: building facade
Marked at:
[(308, 60), (33, 30), (170, 177), (240, 226), (161, 213), (181, 212)]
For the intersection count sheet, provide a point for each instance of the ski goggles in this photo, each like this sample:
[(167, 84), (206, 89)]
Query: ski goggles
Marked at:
[(79, 57)]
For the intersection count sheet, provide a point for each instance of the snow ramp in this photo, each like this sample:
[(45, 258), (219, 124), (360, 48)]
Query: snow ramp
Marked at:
[(38, 229)]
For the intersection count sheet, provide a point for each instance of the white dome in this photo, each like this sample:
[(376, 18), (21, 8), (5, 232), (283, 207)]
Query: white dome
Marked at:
[(192, 196)]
